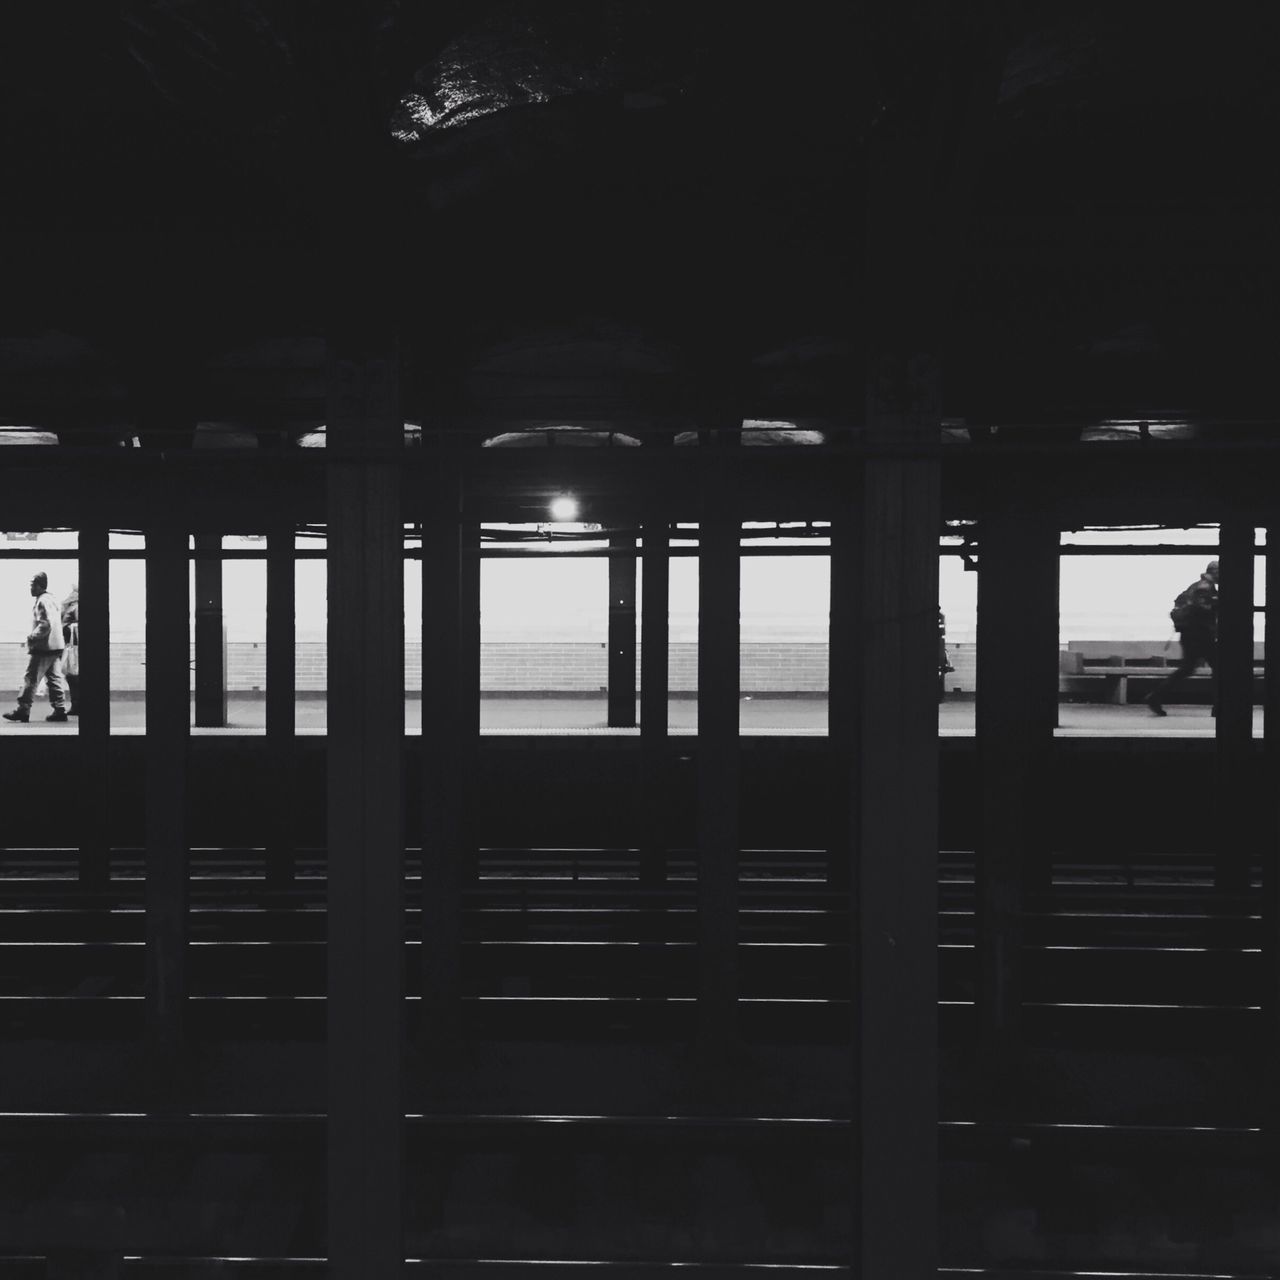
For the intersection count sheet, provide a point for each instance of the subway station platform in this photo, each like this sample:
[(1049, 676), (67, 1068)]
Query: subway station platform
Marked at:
[(804, 716)]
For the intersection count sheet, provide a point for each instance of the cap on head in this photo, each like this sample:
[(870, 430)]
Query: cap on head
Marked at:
[(40, 582), (1212, 568)]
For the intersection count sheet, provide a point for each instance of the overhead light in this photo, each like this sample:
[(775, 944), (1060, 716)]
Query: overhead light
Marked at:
[(564, 508)]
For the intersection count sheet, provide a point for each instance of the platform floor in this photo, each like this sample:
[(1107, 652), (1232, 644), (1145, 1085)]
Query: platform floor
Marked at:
[(575, 716)]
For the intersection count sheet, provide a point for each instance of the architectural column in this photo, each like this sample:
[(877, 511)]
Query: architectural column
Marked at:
[(1016, 713), (444, 779), (1234, 691), (168, 711), (890, 550), (622, 632), (1269, 826), (94, 704), (467, 742), (654, 697), (211, 650), (843, 682), (921, 161), (366, 948), (719, 574), (281, 698)]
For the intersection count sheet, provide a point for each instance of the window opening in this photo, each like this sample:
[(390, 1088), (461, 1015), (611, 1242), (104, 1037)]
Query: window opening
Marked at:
[(24, 554), (1118, 644), (785, 606)]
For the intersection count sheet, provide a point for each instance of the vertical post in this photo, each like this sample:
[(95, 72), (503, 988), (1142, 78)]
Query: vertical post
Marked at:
[(168, 708), (919, 169), (894, 898), (719, 570), (1234, 690), (843, 667), (95, 706), (1271, 848), (211, 673), (654, 697), (467, 743), (622, 632), (1015, 718), (365, 844), (281, 696), (444, 779)]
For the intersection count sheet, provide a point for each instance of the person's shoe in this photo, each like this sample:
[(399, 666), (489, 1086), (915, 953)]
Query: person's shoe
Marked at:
[(18, 717), (58, 716), (73, 711), (1156, 708)]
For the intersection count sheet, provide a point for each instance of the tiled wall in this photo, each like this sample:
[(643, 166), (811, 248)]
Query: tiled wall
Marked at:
[(776, 666), (512, 666)]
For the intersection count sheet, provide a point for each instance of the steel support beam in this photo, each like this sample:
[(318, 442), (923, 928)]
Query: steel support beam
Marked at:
[(1269, 844), (1234, 692), (844, 665), (365, 843), (1016, 713), (622, 633), (211, 635), (467, 741), (168, 709), (719, 575), (444, 780), (891, 650), (281, 698), (654, 697), (94, 704)]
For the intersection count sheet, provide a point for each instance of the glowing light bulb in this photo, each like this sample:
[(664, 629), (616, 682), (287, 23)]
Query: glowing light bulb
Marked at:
[(564, 508)]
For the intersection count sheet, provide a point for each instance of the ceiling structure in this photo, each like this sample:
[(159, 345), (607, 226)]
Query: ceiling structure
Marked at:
[(622, 214)]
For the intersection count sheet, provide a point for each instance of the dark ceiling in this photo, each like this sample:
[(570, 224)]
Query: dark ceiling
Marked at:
[(1078, 196)]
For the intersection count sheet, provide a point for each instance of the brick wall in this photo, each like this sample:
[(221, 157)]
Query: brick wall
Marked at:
[(128, 673), (567, 666), (583, 667), (964, 679), (513, 666)]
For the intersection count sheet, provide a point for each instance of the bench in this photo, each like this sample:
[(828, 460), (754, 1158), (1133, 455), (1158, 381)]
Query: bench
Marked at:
[(1117, 677), (1116, 673)]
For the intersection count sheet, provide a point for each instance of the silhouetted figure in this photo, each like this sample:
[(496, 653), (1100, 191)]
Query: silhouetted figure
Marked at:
[(944, 660), (1195, 618), (45, 645), (71, 654)]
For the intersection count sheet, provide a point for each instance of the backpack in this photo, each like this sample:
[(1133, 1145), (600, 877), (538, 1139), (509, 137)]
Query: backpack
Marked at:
[(1186, 611)]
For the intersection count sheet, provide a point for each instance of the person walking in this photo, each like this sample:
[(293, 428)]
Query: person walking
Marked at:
[(45, 645), (1195, 618)]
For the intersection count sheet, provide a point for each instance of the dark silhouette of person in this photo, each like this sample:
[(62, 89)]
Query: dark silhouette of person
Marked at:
[(45, 645), (1195, 618), (944, 660), (71, 654)]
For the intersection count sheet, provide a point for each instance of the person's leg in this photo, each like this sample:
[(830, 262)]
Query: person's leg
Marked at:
[(1209, 654), (1189, 661), (73, 688), (30, 681), (57, 683)]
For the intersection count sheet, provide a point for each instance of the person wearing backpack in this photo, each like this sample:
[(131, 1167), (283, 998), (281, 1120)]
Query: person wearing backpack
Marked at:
[(1195, 618)]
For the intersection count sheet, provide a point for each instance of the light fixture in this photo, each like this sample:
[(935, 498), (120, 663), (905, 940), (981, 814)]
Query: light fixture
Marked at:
[(564, 508)]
